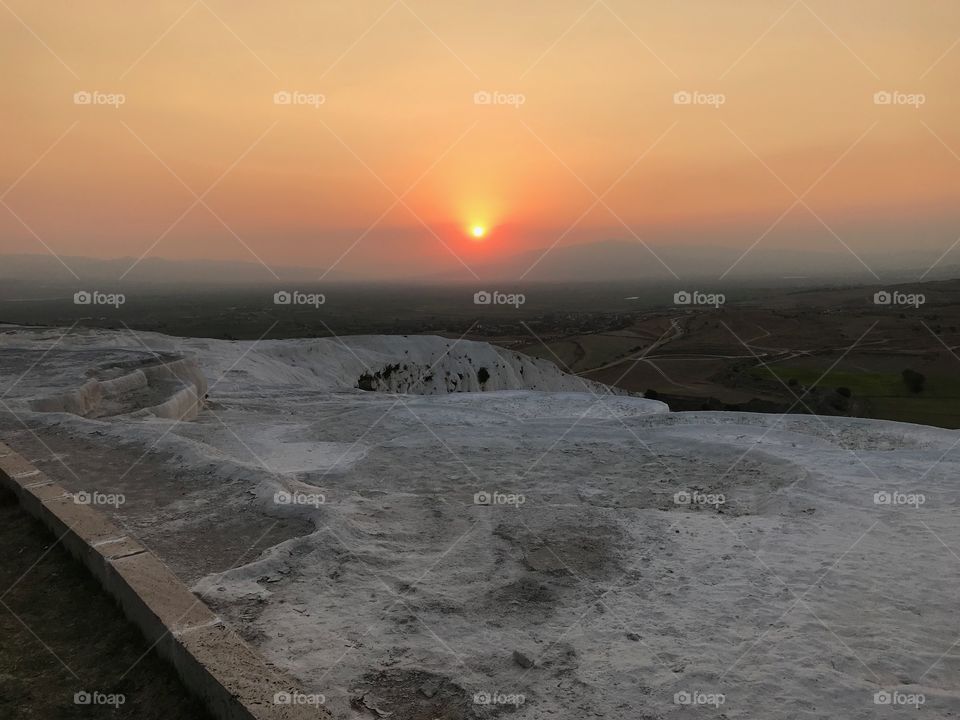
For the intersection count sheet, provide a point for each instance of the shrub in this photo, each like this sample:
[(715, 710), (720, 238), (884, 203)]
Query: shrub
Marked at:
[(913, 380)]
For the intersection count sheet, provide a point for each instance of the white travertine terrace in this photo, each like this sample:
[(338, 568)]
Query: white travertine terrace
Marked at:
[(828, 572)]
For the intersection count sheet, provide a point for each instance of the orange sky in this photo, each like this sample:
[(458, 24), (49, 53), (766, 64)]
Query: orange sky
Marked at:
[(317, 185)]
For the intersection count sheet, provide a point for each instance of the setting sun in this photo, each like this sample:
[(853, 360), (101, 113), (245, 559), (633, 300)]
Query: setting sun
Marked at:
[(478, 231)]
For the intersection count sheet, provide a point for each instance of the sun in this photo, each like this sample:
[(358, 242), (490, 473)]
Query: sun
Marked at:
[(478, 231)]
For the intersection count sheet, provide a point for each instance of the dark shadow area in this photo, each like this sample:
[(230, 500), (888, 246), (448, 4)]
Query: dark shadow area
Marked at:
[(67, 651)]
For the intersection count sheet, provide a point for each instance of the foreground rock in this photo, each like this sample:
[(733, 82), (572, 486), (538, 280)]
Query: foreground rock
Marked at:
[(642, 561)]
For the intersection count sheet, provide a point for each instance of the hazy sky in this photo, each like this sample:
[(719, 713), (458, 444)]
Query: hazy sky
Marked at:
[(318, 183)]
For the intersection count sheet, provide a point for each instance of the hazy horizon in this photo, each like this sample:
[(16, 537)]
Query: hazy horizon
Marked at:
[(370, 140)]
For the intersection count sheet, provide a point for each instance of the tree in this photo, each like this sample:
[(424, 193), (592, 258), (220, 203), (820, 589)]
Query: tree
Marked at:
[(913, 380)]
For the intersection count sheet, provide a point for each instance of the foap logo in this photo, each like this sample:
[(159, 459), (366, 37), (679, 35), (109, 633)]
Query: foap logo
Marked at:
[(895, 697), (895, 498), (498, 498), (686, 497), (95, 97), (95, 297), (698, 697), (899, 299), (685, 297), (485, 697), (85, 697), (694, 97), (295, 97), (85, 497), (895, 97), (294, 297), (486, 297), (284, 497), (487, 97), (299, 698)]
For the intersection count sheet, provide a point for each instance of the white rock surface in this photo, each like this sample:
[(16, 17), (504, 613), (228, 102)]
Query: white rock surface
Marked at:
[(802, 594)]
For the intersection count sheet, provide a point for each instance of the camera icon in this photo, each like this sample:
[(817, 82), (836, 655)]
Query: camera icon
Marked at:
[(82, 698), (282, 298), (82, 498), (883, 97), (481, 698), (82, 298), (882, 498), (482, 298), (82, 97), (682, 298), (282, 497), (282, 97), (482, 98), (882, 698), (682, 698), (882, 298), (482, 498), (682, 498), (682, 98), (282, 698)]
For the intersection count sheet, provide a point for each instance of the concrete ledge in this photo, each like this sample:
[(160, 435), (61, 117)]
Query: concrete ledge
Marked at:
[(214, 662)]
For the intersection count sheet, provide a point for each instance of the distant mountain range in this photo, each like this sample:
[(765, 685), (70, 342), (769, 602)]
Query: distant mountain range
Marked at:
[(617, 260), (605, 261), (50, 270)]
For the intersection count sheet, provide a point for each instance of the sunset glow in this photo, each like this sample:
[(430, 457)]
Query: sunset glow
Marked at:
[(678, 123)]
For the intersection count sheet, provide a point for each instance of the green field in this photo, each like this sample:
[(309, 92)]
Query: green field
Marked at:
[(886, 394)]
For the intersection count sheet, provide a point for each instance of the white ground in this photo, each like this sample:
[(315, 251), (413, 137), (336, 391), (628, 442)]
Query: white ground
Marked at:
[(799, 597)]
